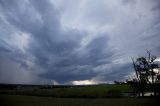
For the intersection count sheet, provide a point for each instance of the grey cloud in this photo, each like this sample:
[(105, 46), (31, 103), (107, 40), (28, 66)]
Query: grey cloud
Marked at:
[(55, 52), (54, 49), (151, 38), (157, 6), (12, 72), (128, 2), (71, 67), (99, 13), (116, 72)]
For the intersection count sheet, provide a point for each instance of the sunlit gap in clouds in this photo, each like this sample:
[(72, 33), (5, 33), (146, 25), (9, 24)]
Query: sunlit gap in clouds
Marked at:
[(90, 82)]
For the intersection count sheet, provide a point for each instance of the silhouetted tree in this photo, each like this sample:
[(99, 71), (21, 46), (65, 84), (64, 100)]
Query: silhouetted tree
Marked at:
[(144, 69)]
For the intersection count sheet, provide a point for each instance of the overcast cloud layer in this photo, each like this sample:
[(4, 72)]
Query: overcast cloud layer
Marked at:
[(63, 41)]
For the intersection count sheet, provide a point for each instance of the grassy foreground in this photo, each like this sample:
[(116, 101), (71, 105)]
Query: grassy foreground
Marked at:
[(20, 100), (95, 91)]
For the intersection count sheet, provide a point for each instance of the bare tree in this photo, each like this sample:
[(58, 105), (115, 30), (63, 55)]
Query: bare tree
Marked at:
[(144, 69)]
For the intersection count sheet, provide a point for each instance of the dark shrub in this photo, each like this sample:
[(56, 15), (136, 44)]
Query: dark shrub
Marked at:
[(113, 93)]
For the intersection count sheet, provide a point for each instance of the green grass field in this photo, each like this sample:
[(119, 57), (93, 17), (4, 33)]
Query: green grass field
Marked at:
[(20, 100), (97, 91)]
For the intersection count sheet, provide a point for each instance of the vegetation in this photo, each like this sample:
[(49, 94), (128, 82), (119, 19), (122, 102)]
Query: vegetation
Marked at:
[(94, 91), (20, 100), (147, 78)]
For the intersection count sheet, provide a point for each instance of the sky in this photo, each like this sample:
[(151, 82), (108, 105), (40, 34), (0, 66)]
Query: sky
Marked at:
[(75, 41)]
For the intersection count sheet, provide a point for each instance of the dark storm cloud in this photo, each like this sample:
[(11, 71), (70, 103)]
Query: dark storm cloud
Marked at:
[(42, 40), (119, 72), (54, 49), (72, 67)]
